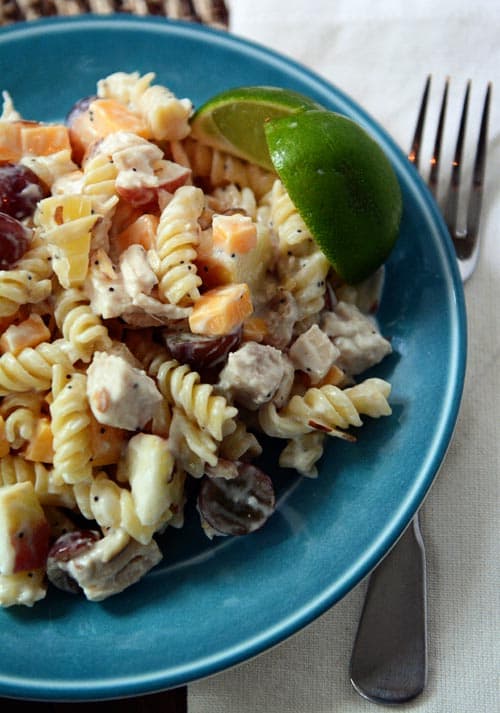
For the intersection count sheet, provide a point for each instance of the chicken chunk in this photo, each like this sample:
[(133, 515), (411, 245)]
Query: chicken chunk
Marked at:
[(256, 374), (106, 566), (314, 353), (138, 277), (119, 394), (357, 338)]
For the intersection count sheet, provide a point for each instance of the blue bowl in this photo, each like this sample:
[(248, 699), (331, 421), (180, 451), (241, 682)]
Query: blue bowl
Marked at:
[(210, 605)]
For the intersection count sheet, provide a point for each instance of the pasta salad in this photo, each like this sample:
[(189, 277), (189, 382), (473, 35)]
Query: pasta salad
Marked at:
[(162, 305)]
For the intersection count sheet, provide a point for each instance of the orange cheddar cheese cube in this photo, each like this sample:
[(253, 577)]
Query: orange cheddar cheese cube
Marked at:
[(221, 310), (255, 329), (234, 233), (44, 140), (141, 232), (40, 446), (30, 333), (107, 443), (103, 117), (10, 141)]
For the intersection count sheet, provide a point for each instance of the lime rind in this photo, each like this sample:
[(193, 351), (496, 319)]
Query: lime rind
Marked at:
[(343, 186), (233, 120)]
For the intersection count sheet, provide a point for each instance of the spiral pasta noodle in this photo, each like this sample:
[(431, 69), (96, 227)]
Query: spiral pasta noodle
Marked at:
[(287, 223), (303, 268), (15, 469), (240, 444), (99, 178), (31, 369), (70, 415), (112, 507), (65, 223), (176, 241), (21, 412), (29, 282), (328, 409), (79, 325), (196, 446), (182, 387), (221, 169)]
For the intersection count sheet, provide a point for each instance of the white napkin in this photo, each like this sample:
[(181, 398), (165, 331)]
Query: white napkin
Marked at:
[(380, 54)]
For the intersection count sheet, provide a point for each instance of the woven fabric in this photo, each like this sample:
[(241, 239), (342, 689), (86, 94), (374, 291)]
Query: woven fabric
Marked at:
[(209, 12)]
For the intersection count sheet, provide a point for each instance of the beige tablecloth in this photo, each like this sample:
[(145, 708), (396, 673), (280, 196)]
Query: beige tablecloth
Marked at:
[(380, 53)]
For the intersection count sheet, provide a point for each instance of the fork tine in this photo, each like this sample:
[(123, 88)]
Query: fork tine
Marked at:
[(465, 245), (451, 204), (414, 155), (434, 170)]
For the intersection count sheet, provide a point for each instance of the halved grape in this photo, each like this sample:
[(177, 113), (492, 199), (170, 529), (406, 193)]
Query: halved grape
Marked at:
[(200, 351), (72, 544), (14, 241), (20, 190), (239, 505), (78, 108), (64, 549)]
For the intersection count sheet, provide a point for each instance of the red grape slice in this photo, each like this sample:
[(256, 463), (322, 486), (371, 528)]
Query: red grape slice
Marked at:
[(64, 549), (14, 241), (72, 544), (20, 190), (240, 505), (199, 351)]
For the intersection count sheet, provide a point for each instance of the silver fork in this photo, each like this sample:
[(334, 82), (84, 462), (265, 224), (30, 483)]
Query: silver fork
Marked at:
[(389, 657)]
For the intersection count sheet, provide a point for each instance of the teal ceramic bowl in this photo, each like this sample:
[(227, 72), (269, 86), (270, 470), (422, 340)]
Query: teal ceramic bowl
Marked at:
[(210, 605)]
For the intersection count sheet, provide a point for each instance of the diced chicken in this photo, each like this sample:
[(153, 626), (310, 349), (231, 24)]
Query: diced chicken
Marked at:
[(136, 271), (117, 294), (357, 338), (107, 294), (109, 566), (147, 311), (142, 170), (280, 314), (256, 374), (119, 394), (314, 353)]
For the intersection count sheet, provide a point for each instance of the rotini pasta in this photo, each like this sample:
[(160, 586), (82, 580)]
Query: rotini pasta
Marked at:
[(176, 242), (70, 414), (29, 282), (20, 422), (32, 368), (65, 222), (79, 325), (195, 446), (15, 469), (221, 169), (328, 408), (182, 387)]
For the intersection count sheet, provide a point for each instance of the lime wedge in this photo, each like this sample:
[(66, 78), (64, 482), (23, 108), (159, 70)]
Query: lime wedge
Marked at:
[(233, 121), (343, 186)]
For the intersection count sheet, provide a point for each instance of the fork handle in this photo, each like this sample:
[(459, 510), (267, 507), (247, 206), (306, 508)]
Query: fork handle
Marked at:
[(389, 658)]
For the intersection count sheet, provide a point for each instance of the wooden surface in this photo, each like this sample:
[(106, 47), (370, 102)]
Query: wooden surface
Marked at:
[(209, 12)]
